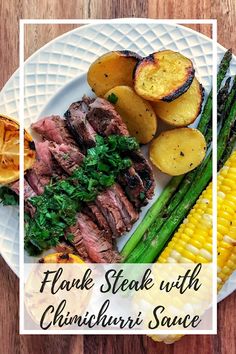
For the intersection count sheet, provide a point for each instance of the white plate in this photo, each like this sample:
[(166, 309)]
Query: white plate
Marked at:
[(55, 77)]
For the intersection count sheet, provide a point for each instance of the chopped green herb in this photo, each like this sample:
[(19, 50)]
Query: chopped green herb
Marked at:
[(142, 195), (112, 98), (57, 207), (8, 197)]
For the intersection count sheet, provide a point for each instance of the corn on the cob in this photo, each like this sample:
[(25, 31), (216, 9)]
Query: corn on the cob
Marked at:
[(193, 240)]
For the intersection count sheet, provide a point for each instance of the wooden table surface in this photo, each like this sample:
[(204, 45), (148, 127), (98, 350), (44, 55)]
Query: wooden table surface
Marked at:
[(10, 13)]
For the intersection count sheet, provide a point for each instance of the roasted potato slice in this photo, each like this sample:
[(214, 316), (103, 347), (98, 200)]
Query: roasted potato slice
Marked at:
[(136, 112), (163, 75), (112, 69), (178, 151), (185, 109), (61, 258)]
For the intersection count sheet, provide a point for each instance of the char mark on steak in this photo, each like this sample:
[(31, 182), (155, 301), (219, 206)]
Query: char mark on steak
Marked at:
[(84, 105), (79, 127), (111, 212), (67, 156), (104, 118), (133, 186), (90, 242), (127, 211), (145, 172), (92, 210), (54, 128)]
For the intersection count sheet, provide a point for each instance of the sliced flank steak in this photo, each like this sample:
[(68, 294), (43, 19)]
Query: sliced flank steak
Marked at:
[(43, 169), (127, 211), (92, 210), (104, 118), (115, 209), (145, 172), (53, 128), (67, 156), (28, 193), (84, 105), (94, 245), (78, 241), (37, 182), (133, 187), (111, 212), (78, 125), (138, 183)]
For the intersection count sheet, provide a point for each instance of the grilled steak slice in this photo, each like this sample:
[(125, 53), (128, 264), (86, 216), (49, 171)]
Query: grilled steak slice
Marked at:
[(98, 247), (78, 125), (111, 212), (28, 193), (44, 163), (97, 217), (84, 105), (144, 170), (36, 181), (43, 169), (67, 156), (78, 241), (129, 215), (133, 186), (104, 118), (53, 128)]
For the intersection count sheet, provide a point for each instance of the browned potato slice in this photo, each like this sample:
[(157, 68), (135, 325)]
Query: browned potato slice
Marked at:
[(178, 151), (61, 258), (112, 69), (163, 75), (185, 109), (137, 113)]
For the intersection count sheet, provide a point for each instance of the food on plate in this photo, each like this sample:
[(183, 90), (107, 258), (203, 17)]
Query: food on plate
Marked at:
[(136, 112), (88, 183), (8, 196), (60, 258), (163, 75), (10, 150), (179, 195), (184, 109), (198, 247), (112, 69), (178, 151)]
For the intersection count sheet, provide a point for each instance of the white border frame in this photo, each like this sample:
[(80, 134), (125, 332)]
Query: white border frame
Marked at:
[(213, 23)]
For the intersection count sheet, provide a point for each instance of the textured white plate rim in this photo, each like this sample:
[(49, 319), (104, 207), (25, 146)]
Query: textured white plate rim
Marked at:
[(94, 24)]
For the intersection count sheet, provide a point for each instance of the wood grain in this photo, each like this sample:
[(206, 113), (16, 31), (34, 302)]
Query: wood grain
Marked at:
[(10, 12)]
